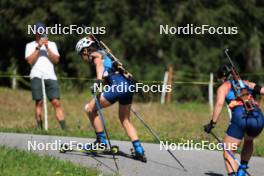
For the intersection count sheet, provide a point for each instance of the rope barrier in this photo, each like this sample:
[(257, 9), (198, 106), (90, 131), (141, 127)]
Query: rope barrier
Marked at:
[(88, 79), (141, 81)]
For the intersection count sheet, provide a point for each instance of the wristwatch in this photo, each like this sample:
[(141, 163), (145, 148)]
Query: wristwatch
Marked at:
[(37, 47)]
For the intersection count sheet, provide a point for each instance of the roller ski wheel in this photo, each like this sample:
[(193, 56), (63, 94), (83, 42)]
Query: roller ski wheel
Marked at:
[(114, 149), (64, 148), (139, 157)]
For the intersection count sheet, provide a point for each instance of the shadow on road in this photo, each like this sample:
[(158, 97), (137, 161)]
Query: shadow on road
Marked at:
[(102, 163), (130, 156), (166, 165), (96, 157), (93, 156), (213, 174)]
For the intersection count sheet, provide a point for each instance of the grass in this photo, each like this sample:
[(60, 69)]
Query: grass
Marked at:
[(22, 163), (175, 122)]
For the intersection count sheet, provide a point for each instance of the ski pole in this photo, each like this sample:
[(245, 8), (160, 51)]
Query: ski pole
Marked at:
[(104, 126), (228, 151), (157, 138)]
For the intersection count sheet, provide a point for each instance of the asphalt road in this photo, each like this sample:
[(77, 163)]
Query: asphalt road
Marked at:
[(197, 162)]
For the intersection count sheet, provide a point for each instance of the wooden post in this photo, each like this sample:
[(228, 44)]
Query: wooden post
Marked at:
[(165, 83), (14, 79), (170, 77), (211, 92)]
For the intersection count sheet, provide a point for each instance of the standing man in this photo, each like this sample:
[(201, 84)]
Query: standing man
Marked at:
[(41, 54)]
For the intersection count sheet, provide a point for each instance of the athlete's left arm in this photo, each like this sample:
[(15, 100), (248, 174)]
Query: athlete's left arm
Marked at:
[(257, 89), (251, 85)]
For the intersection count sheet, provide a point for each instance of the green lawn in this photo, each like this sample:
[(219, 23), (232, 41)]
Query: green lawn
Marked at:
[(22, 163), (175, 122)]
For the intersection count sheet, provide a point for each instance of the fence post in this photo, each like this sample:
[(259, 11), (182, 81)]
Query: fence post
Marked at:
[(14, 79), (170, 77), (211, 92), (165, 83), (44, 104)]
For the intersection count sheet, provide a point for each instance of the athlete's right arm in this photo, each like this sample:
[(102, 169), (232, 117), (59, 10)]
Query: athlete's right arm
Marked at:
[(220, 100)]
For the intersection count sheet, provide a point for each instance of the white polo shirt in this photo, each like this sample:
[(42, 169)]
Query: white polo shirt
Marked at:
[(43, 66)]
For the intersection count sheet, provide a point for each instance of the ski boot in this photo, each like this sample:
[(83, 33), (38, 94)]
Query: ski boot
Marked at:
[(242, 170), (139, 153), (232, 174)]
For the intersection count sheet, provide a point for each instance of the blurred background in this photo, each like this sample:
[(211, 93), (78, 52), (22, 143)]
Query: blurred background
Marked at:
[(132, 33)]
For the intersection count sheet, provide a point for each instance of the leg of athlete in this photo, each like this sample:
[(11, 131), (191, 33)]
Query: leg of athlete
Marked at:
[(231, 144), (247, 149), (245, 155), (91, 111), (254, 125), (124, 116)]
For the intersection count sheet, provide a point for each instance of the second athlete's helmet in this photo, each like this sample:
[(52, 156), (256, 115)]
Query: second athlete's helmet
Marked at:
[(83, 43), (224, 71)]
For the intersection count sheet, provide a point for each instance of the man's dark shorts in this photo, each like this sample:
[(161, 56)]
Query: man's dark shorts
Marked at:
[(51, 86)]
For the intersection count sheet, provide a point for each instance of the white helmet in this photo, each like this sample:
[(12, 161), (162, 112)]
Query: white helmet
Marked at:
[(83, 43)]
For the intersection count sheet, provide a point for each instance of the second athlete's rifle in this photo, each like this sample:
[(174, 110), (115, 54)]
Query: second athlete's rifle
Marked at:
[(116, 63), (240, 88)]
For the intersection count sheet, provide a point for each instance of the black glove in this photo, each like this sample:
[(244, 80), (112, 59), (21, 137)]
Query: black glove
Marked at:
[(96, 87), (208, 127)]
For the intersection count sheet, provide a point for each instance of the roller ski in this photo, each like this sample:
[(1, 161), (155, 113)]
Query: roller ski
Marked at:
[(89, 149), (98, 146), (138, 156)]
